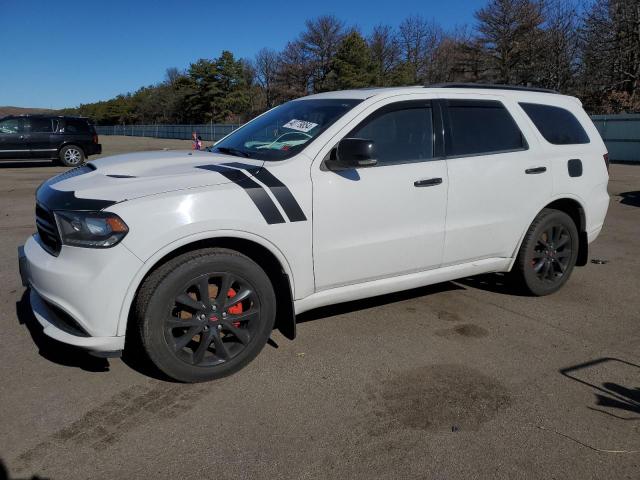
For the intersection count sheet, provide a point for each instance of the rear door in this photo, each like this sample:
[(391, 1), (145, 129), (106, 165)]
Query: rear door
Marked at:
[(387, 220), (40, 136), (497, 177), (12, 141), (77, 131)]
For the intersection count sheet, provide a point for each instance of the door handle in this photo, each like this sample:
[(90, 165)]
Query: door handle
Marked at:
[(535, 170), (428, 182)]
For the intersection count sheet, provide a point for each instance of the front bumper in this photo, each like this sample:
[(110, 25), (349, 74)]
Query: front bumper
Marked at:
[(54, 327), (78, 295)]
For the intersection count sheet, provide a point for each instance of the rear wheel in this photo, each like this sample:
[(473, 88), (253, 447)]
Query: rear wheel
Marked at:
[(548, 253), (205, 314), (71, 156)]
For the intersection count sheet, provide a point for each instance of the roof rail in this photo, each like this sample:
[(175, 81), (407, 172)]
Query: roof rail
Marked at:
[(490, 86)]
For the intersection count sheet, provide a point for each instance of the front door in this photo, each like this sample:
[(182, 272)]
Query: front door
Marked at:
[(39, 134), (387, 220), (12, 142)]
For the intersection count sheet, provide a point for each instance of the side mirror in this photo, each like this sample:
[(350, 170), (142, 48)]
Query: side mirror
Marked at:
[(353, 153)]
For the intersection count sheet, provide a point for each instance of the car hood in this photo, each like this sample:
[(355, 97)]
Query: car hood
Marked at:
[(104, 182)]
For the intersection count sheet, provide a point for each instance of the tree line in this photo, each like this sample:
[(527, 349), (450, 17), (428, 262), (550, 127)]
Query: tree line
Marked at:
[(592, 52)]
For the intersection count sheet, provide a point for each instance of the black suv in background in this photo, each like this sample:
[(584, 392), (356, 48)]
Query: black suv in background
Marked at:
[(67, 139)]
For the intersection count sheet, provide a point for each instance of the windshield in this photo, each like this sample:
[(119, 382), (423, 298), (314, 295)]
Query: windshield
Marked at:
[(284, 131)]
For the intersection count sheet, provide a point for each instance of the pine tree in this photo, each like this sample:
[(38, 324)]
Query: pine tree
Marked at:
[(351, 66)]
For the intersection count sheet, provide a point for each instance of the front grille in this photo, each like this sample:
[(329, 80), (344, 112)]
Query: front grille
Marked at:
[(47, 230)]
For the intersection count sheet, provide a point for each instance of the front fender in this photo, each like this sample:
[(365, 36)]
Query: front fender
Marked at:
[(161, 253)]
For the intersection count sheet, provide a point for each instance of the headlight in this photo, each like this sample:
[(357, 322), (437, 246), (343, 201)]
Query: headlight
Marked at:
[(90, 229)]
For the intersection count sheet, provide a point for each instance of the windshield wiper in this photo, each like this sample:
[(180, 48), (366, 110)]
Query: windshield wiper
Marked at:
[(236, 152)]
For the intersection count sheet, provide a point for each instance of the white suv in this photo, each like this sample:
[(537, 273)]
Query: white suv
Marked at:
[(194, 257)]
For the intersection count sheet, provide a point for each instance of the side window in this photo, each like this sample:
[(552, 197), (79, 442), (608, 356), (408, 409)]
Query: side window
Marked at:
[(76, 126), (557, 125), (10, 125), (40, 125), (402, 132), (480, 127)]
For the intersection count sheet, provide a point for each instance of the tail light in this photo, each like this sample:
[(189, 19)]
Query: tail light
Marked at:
[(606, 160), (95, 139)]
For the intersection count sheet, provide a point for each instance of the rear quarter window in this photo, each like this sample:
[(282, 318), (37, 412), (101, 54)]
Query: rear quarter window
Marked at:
[(557, 125), (76, 126)]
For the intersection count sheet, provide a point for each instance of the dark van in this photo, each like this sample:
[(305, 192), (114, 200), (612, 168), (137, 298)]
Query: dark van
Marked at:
[(70, 140)]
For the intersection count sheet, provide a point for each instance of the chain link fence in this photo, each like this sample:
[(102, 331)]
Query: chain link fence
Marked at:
[(621, 133), (211, 132)]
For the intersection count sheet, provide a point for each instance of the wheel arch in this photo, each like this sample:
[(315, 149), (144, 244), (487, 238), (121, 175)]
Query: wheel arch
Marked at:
[(67, 143), (575, 209), (266, 255)]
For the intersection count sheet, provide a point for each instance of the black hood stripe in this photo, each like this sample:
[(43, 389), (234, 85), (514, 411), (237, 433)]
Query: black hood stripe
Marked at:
[(282, 193), (256, 193), (53, 199), (66, 200)]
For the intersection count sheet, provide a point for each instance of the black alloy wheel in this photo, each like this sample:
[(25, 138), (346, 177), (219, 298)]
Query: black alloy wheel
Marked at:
[(552, 253), (548, 253), (205, 314), (212, 319)]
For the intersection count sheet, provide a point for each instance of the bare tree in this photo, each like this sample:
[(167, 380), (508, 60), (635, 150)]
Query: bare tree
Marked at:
[(385, 55), (266, 63), (456, 58), (610, 56), (508, 31), (560, 44), (295, 72), (172, 75), (419, 40), (319, 43)]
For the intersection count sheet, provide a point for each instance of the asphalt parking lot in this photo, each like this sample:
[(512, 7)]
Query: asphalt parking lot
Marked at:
[(458, 380)]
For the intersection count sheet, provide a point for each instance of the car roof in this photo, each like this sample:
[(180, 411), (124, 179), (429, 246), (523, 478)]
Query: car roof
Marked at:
[(44, 115), (514, 91)]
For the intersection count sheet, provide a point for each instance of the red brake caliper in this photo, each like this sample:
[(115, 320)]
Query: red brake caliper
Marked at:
[(234, 309)]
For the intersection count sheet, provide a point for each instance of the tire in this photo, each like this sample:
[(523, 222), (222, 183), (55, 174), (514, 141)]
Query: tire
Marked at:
[(71, 156), (548, 253), (219, 337)]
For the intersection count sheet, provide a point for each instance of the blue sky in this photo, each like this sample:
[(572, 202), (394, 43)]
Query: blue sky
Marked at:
[(57, 54)]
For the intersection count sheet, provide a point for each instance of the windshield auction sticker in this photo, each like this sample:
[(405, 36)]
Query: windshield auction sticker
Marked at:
[(300, 125)]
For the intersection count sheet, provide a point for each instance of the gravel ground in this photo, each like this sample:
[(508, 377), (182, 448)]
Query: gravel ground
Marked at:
[(458, 380)]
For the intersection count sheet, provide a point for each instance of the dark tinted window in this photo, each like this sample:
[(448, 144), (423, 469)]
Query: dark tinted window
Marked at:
[(401, 133), (557, 125), (41, 125), (481, 127), (76, 126)]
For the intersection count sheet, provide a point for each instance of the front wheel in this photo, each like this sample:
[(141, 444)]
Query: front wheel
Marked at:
[(71, 156), (548, 253), (205, 314)]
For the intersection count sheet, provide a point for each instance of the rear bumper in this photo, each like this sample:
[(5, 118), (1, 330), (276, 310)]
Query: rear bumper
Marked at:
[(93, 149), (597, 207)]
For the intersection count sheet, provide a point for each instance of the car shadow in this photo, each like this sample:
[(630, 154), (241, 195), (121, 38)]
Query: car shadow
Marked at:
[(611, 398), (494, 282), (51, 349), (4, 474), (630, 198), (372, 302), (27, 163)]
